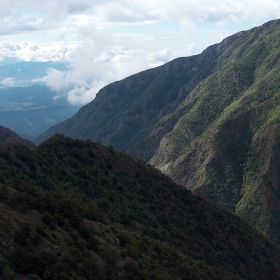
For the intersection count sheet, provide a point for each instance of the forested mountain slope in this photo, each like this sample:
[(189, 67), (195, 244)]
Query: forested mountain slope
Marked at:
[(225, 145), (210, 121), (72, 209)]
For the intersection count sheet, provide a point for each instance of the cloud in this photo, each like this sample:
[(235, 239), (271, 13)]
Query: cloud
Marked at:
[(29, 16), (98, 60), (98, 39), (50, 121), (13, 82), (158, 58), (129, 11), (8, 82), (81, 95), (28, 51), (90, 71), (198, 11), (56, 80)]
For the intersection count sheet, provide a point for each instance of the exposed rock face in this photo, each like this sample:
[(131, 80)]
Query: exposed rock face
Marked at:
[(8, 136)]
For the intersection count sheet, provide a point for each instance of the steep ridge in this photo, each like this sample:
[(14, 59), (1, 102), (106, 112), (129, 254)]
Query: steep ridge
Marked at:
[(224, 146), (8, 136), (124, 113), (72, 209)]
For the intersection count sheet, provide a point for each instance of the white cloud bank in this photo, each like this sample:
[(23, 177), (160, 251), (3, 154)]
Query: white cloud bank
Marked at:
[(104, 41), (11, 52)]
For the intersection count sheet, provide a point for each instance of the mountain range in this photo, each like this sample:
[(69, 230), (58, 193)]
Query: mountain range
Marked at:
[(209, 121)]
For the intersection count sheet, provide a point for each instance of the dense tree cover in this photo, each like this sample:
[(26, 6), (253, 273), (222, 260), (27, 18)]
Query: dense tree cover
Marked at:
[(74, 209)]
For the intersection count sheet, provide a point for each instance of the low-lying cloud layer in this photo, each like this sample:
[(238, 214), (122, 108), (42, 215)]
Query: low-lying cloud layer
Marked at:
[(104, 41)]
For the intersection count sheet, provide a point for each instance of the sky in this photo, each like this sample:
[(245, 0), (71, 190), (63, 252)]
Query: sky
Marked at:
[(103, 41)]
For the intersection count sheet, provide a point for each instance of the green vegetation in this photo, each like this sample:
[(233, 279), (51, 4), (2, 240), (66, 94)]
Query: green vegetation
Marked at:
[(224, 145), (74, 209)]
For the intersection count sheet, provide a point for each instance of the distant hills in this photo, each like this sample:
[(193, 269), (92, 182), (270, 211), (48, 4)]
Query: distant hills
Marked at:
[(73, 209), (210, 121)]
